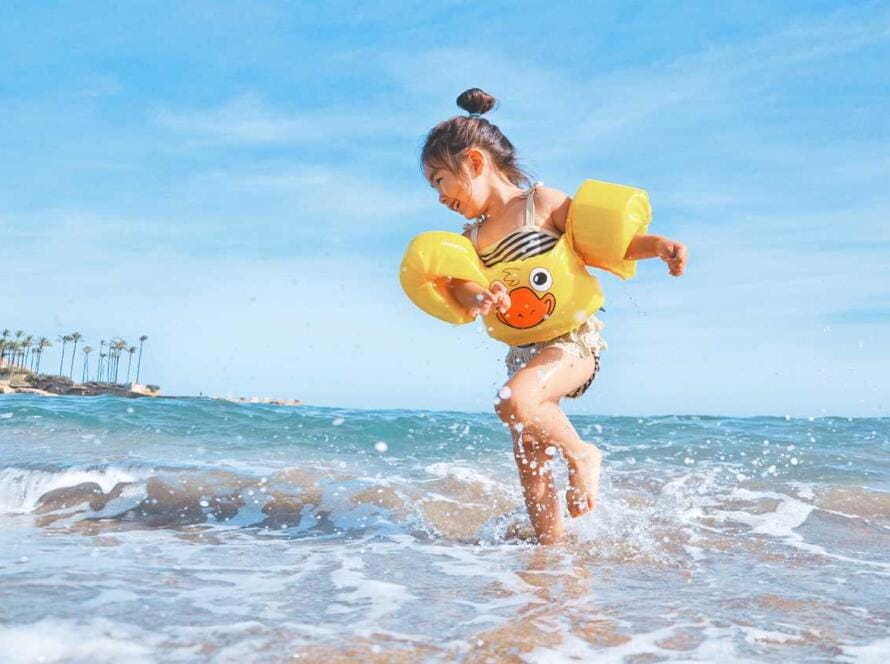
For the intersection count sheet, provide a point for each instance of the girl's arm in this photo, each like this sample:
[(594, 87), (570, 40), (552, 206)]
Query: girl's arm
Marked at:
[(672, 252), (478, 300)]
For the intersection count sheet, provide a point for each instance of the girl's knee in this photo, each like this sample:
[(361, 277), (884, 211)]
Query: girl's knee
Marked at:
[(514, 407)]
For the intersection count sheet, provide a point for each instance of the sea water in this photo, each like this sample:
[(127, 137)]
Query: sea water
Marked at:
[(169, 530)]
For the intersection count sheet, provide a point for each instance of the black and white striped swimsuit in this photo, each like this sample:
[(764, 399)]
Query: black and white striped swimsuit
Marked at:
[(524, 242)]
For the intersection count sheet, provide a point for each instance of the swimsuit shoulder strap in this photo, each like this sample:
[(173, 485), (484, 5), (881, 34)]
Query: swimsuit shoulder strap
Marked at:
[(473, 229), (530, 205), (474, 235)]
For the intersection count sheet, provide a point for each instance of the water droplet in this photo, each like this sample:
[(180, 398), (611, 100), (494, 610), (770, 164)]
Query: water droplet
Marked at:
[(505, 392), (380, 446)]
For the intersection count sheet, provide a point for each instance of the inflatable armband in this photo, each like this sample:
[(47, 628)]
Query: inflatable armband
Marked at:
[(602, 221)]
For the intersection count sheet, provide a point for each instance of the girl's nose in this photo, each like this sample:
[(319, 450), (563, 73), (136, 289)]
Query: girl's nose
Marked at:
[(442, 199)]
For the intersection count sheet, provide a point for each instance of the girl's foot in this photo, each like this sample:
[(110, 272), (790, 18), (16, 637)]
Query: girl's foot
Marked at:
[(584, 480)]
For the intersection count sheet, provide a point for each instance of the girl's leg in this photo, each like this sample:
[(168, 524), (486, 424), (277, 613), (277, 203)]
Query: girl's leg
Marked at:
[(541, 499), (533, 404)]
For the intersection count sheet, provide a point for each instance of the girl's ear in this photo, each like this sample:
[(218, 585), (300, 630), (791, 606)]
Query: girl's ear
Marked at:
[(475, 161)]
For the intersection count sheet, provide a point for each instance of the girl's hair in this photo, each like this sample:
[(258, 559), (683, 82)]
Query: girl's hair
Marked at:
[(447, 142)]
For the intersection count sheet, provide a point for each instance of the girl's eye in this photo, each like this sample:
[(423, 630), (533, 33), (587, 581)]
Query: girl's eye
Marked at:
[(540, 279)]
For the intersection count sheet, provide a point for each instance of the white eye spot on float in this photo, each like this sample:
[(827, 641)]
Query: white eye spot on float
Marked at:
[(540, 279)]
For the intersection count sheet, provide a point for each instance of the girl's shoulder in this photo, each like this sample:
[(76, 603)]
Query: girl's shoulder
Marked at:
[(553, 205), (548, 196)]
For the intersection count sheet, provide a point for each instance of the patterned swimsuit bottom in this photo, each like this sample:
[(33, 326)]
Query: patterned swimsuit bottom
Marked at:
[(582, 342)]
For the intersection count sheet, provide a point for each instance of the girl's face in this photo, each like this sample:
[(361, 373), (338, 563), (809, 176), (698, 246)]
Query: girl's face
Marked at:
[(456, 190)]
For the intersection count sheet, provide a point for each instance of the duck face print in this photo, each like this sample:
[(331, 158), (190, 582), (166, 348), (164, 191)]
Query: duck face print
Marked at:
[(531, 302)]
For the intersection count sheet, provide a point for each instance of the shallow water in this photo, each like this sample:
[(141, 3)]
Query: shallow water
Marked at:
[(181, 530)]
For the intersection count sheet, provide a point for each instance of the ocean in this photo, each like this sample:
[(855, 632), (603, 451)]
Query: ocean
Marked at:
[(180, 530)]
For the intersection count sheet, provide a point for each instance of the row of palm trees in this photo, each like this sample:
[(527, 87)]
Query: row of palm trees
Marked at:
[(24, 352)]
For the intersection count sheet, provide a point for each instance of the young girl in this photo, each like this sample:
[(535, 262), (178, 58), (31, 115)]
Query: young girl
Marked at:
[(474, 169)]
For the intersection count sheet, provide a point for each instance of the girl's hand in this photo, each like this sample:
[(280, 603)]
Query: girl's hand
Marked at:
[(478, 300), (673, 253)]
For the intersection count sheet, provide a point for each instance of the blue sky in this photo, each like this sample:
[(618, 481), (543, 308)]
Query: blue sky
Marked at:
[(238, 181)]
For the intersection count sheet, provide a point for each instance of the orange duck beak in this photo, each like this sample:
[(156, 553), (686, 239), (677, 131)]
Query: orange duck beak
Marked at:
[(527, 309)]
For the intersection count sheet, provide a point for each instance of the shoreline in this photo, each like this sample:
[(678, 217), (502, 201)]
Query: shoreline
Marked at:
[(56, 386)]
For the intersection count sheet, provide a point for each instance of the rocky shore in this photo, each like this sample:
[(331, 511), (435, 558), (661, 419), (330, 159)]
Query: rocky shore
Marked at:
[(52, 386)]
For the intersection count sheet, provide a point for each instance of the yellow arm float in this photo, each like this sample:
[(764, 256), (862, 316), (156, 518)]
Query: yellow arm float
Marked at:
[(602, 221), (431, 261), (550, 294)]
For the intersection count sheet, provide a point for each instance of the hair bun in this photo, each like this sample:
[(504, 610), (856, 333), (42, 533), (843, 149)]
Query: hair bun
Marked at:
[(475, 100)]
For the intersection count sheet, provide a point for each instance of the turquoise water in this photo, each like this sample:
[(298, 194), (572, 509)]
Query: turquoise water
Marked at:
[(183, 529)]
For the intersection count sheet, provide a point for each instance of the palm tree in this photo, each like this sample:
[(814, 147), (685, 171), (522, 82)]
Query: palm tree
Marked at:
[(27, 348), (119, 346), (130, 350), (4, 344), (18, 346), (109, 366), (75, 337), (112, 354), (64, 339), (42, 344), (101, 355), (86, 350), (142, 340)]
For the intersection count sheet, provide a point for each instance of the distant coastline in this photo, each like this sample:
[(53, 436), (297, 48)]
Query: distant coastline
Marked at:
[(16, 381), (21, 355)]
